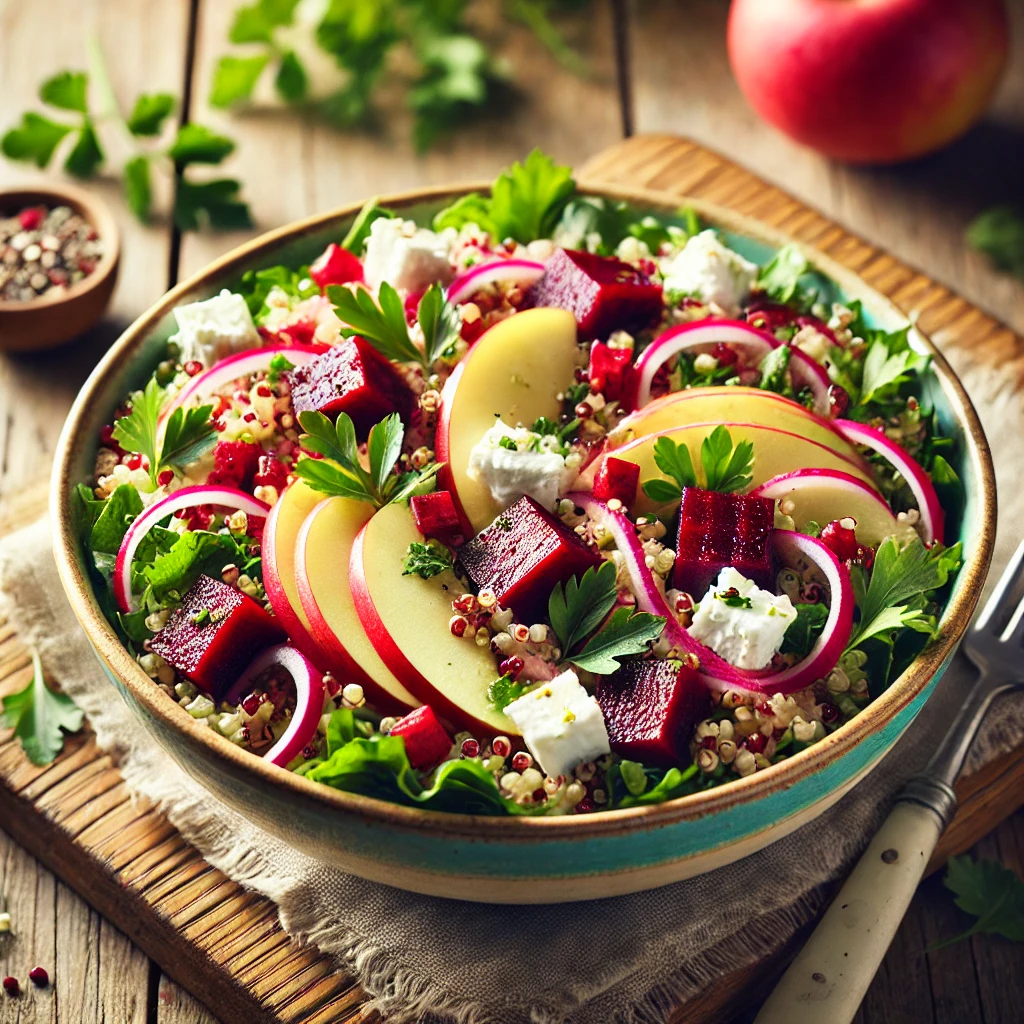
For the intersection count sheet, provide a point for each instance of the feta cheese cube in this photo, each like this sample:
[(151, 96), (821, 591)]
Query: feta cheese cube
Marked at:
[(215, 328), (512, 473), (407, 257), (561, 723), (708, 270), (741, 622)]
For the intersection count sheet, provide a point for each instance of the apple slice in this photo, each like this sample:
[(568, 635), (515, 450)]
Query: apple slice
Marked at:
[(515, 372), (322, 552), (730, 404), (775, 452), (824, 495), (406, 619), (278, 554)]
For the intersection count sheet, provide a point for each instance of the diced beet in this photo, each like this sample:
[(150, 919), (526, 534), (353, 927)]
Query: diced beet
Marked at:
[(426, 742), (335, 266), (716, 530), (522, 555), (651, 708), (603, 293), (609, 371), (235, 463), (351, 377), (214, 634), (616, 478), (435, 517)]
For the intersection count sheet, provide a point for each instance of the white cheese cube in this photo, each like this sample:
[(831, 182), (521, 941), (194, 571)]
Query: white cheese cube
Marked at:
[(741, 622), (215, 328), (561, 723), (407, 257), (511, 473), (710, 271)]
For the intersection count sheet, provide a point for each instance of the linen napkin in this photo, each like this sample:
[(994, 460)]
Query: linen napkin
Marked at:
[(628, 959)]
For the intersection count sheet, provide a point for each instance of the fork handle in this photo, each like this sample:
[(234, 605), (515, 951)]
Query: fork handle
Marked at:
[(831, 974)]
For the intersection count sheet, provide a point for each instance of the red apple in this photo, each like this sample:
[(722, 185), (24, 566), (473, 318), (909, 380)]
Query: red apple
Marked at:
[(869, 81)]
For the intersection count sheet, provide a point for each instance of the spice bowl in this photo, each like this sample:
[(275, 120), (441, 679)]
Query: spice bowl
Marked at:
[(59, 314)]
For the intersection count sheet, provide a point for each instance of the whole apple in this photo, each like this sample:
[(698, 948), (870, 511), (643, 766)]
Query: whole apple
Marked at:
[(869, 81)]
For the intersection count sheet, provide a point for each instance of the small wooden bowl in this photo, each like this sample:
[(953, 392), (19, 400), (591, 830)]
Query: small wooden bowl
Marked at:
[(57, 317)]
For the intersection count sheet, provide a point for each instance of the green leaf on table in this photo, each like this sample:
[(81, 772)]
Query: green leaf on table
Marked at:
[(149, 113), (40, 717), (992, 893), (66, 90), (627, 632), (196, 144), (999, 234), (234, 79), (188, 436), (383, 326), (291, 81), (35, 139), (440, 323), (214, 203), (576, 609), (138, 189), (86, 155), (123, 505), (137, 432)]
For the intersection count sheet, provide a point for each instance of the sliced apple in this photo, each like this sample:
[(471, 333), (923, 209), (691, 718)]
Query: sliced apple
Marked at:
[(824, 495), (278, 555), (775, 452), (406, 619), (323, 549), (732, 405), (515, 372)]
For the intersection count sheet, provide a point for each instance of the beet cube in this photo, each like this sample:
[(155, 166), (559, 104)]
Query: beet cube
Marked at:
[(651, 708), (214, 634), (351, 377), (603, 293), (609, 371), (235, 463), (616, 478), (435, 517), (717, 530), (335, 266), (426, 742), (522, 555)]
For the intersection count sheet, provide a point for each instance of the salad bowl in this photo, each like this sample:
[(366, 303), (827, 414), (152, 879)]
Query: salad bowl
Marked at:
[(518, 859)]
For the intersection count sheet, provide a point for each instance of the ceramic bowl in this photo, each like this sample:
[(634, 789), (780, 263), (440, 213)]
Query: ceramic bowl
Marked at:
[(513, 860), (55, 318)]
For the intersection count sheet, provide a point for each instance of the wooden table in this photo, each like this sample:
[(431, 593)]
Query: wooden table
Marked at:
[(658, 66)]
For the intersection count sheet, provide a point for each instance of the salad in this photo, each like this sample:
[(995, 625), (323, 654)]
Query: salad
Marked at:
[(546, 506)]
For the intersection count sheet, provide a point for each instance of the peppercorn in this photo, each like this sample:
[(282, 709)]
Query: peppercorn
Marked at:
[(39, 977), (11, 986)]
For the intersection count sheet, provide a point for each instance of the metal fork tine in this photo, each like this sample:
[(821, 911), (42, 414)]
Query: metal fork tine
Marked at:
[(1014, 632), (1007, 593)]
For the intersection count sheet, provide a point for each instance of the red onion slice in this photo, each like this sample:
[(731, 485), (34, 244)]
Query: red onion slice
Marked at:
[(920, 484), (467, 284), (187, 497), (716, 672), (309, 699)]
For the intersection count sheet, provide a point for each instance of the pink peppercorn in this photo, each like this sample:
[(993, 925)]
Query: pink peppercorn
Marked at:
[(11, 986), (511, 667), (502, 746), (522, 761), (39, 977), (192, 367), (134, 461), (756, 743), (165, 477), (470, 748), (30, 218)]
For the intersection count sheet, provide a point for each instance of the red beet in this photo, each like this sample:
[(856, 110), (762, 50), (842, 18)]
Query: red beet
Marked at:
[(352, 377), (235, 463), (215, 634), (650, 710), (335, 266), (616, 479), (272, 472), (435, 517), (522, 555), (603, 293), (426, 742), (716, 530), (609, 370)]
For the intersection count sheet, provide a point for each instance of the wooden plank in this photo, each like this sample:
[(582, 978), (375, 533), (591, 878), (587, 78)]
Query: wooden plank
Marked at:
[(176, 1006), (293, 167), (148, 42), (917, 211)]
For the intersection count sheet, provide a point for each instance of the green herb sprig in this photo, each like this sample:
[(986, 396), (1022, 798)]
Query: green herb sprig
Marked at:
[(989, 892), (40, 717), (427, 560), (727, 467), (999, 234)]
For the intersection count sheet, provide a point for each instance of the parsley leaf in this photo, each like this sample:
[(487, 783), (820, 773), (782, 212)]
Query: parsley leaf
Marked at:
[(137, 432), (291, 81), (112, 523), (627, 632), (195, 144), (258, 284), (35, 139), (504, 691), (40, 717), (674, 460), (86, 155), (790, 279), (726, 468), (578, 608), (773, 369), (234, 79), (990, 892), (255, 23), (886, 365), (214, 203), (66, 90), (427, 560), (383, 326), (138, 189), (188, 436), (999, 233), (440, 323), (803, 632), (355, 240), (149, 113)]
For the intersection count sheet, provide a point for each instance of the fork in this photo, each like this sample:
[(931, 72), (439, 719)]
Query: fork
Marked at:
[(828, 978)]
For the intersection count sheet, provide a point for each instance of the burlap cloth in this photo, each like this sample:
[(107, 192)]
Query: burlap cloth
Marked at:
[(630, 958)]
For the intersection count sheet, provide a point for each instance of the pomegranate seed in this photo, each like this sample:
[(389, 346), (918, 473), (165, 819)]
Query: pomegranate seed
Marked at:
[(193, 366), (457, 624), (11, 986), (134, 461), (502, 746), (470, 748), (38, 976), (165, 477), (838, 400), (30, 218), (585, 806), (584, 410), (251, 704), (522, 761), (580, 374), (756, 743), (840, 540), (829, 712), (511, 667), (709, 742), (726, 356), (263, 391)]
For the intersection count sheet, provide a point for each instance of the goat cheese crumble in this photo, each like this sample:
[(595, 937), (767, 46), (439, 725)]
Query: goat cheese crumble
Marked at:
[(407, 257), (215, 328), (710, 271)]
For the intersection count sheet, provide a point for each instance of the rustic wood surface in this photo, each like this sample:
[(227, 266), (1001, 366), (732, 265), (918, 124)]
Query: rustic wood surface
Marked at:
[(669, 58)]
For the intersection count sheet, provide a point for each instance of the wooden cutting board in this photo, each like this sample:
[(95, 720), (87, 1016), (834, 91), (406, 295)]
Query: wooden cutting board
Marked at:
[(225, 944)]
